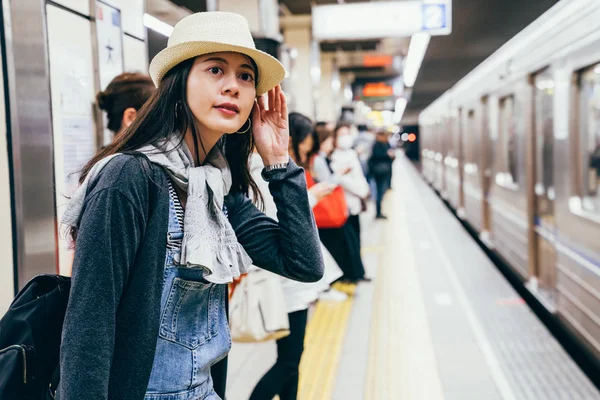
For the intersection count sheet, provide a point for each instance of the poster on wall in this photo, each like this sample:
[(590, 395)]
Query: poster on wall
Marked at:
[(110, 42), (72, 87), (110, 50)]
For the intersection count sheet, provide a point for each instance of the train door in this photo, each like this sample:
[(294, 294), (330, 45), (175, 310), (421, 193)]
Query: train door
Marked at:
[(460, 156), (486, 155), (544, 223)]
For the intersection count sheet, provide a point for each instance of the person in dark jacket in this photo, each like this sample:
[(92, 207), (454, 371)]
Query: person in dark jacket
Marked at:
[(380, 168), (162, 222)]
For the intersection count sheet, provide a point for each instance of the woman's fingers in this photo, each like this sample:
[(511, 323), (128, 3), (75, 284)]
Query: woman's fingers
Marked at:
[(284, 108), (277, 100), (261, 105), (255, 115), (271, 99)]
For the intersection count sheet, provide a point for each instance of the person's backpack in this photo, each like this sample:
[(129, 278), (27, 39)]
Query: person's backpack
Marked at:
[(30, 335)]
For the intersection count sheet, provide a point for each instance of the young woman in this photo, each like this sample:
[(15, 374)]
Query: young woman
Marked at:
[(343, 243), (348, 172), (380, 168), (157, 242), (123, 98)]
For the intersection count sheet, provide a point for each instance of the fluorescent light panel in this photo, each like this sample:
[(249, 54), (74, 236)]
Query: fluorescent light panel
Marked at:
[(157, 25), (399, 109), (416, 52)]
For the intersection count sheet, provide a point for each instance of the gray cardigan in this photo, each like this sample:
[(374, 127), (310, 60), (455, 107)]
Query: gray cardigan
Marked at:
[(112, 319)]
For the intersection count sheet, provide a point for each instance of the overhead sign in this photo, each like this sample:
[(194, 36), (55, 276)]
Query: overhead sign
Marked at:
[(381, 19), (377, 60), (378, 89)]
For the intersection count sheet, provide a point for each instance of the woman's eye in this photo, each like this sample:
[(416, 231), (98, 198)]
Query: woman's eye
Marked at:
[(215, 70), (247, 77)]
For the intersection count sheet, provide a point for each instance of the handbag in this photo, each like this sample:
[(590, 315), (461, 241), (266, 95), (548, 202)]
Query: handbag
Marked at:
[(332, 210), (257, 310)]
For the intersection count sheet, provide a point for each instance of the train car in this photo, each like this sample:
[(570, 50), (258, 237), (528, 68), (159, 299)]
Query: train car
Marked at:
[(527, 122)]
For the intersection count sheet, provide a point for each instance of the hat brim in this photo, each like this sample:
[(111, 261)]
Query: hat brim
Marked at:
[(270, 71)]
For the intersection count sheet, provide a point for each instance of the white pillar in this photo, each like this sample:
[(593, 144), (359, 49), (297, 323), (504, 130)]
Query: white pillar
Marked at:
[(297, 36)]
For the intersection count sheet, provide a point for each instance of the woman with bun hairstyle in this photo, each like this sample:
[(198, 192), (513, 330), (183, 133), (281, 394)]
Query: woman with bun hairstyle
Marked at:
[(162, 221), (123, 98)]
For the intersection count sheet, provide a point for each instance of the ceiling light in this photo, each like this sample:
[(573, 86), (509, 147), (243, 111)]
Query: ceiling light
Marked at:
[(157, 25), (399, 109), (416, 52)]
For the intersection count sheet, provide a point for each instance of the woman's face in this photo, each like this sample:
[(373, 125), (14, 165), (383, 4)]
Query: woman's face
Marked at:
[(343, 131), (305, 147), (221, 89), (327, 145)]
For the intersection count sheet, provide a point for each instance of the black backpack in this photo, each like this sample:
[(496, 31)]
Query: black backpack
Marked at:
[(30, 334)]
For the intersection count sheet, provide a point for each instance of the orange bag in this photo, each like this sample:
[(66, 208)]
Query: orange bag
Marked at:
[(331, 211)]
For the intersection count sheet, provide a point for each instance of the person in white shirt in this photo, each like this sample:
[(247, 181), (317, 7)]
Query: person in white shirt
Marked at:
[(348, 171), (282, 378), (345, 170)]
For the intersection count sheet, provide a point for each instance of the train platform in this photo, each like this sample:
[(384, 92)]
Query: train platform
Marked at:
[(438, 321)]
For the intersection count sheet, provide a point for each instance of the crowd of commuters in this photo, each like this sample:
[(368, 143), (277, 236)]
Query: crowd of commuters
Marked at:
[(207, 178)]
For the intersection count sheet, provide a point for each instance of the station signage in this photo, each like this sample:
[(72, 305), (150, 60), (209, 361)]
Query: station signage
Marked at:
[(381, 19)]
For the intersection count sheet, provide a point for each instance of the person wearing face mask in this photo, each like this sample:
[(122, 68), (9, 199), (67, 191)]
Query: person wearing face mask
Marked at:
[(346, 164), (338, 163)]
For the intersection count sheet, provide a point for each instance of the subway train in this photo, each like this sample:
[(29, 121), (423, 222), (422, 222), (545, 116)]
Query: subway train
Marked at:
[(514, 148)]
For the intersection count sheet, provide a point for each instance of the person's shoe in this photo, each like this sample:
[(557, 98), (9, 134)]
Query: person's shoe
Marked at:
[(333, 295), (365, 279), (380, 216)]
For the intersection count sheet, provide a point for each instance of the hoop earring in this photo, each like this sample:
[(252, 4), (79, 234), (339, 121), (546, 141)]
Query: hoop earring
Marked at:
[(247, 129)]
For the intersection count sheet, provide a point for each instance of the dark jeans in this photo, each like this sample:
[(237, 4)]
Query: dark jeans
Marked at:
[(282, 378), (383, 184), (354, 222), (344, 245)]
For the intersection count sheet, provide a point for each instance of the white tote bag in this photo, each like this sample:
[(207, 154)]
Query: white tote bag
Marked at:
[(257, 311)]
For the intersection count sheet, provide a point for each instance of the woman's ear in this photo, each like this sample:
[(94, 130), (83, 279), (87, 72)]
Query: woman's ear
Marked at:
[(129, 116)]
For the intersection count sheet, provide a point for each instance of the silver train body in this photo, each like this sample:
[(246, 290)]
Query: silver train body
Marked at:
[(514, 147)]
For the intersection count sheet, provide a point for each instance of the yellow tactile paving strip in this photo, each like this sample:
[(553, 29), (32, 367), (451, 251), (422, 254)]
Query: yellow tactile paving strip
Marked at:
[(402, 363), (323, 344)]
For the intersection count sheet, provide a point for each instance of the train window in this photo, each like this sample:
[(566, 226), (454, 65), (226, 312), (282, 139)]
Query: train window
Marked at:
[(508, 136), (590, 137), (544, 135)]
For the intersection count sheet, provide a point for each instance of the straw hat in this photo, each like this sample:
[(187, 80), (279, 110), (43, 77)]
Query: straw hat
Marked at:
[(212, 32)]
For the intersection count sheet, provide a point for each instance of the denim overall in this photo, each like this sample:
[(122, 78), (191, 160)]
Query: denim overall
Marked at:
[(194, 333)]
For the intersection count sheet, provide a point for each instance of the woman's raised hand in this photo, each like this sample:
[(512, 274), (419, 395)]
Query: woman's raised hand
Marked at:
[(270, 127)]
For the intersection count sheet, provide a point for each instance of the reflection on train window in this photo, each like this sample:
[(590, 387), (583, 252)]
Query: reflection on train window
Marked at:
[(468, 141), (590, 137), (508, 136), (544, 131)]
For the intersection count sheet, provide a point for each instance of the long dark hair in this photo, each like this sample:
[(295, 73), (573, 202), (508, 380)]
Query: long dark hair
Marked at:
[(300, 128), (158, 120)]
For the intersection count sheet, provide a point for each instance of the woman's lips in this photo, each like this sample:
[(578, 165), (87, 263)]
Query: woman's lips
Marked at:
[(226, 111)]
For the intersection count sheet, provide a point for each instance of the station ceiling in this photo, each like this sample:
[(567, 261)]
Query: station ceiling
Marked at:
[(479, 28)]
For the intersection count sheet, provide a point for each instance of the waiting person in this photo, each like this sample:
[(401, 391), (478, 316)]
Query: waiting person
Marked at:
[(380, 168), (157, 242), (123, 98), (363, 144), (345, 160), (343, 243)]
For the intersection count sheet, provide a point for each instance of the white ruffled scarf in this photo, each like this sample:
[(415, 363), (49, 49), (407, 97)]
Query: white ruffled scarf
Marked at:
[(209, 240)]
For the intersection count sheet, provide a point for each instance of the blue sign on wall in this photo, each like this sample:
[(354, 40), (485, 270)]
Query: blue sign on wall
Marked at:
[(435, 16)]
